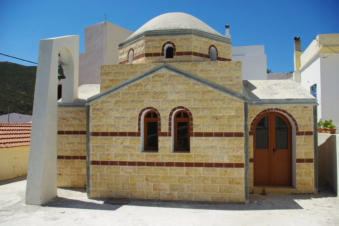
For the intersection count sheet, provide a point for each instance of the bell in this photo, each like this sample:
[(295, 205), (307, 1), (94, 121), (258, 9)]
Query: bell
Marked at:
[(61, 74)]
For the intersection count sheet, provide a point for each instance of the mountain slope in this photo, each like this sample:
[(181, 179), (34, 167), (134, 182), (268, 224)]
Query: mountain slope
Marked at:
[(16, 88)]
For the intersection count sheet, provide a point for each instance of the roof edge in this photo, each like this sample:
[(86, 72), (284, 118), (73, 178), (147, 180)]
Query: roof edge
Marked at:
[(282, 102), (172, 32)]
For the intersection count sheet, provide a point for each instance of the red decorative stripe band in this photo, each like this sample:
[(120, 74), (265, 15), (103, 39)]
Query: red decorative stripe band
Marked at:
[(297, 160), (68, 157), (167, 134), (301, 133), (169, 164), (184, 53), (67, 132), (304, 160)]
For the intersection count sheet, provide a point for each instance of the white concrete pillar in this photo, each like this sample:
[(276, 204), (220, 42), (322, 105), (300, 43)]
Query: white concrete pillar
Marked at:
[(42, 168)]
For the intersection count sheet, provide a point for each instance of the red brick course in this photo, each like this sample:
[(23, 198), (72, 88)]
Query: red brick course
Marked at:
[(169, 164)]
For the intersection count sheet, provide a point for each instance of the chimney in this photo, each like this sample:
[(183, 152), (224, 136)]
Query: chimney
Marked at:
[(297, 54), (227, 32)]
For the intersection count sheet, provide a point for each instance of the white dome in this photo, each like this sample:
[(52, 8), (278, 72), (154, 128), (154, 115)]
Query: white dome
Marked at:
[(171, 21)]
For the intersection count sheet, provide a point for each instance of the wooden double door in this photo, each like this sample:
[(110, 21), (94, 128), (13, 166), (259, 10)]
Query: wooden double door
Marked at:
[(272, 151)]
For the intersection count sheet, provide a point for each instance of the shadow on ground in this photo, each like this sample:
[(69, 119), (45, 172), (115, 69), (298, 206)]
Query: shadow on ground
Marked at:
[(79, 204), (256, 202), (8, 181)]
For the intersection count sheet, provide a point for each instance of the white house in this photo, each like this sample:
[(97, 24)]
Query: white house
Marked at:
[(253, 58), (317, 69), (101, 48)]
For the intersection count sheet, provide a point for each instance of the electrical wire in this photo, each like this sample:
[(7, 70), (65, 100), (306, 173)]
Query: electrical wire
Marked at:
[(18, 58)]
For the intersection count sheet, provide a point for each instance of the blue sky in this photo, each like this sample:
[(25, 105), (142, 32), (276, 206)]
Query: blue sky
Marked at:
[(272, 23)]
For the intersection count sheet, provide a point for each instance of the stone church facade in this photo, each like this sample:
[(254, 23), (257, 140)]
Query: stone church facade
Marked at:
[(174, 120)]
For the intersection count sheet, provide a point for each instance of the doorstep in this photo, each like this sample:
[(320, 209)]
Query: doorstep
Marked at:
[(274, 190)]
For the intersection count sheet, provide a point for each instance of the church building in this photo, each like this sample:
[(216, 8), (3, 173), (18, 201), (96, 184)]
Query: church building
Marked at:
[(174, 120)]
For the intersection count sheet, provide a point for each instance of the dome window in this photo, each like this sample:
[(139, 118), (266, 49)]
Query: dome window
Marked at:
[(213, 53), (168, 50), (130, 56)]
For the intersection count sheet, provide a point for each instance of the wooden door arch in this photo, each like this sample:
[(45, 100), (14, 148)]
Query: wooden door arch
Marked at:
[(272, 145)]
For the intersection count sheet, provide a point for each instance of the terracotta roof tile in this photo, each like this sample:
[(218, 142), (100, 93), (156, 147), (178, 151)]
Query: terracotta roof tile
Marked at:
[(15, 134)]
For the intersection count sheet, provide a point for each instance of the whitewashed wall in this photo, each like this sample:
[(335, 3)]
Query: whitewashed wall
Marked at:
[(101, 47), (329, 71), (254, 63), (324, 71), (311, 75)]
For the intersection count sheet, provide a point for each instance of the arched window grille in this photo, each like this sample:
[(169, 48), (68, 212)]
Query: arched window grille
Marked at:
[(181, 131), (150, 131)]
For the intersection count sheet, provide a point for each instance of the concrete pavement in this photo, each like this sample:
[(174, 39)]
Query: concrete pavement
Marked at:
[(72, 207)]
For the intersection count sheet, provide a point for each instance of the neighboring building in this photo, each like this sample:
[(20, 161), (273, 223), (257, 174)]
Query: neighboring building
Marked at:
[(174, 120), (14, 149), (15, 117), (254, 63), (101, 47), (279, 76), (317, 69)]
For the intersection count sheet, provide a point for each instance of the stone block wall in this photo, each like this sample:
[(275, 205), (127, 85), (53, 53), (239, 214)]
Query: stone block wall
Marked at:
[(187, 48), (227, 74), (213, 170), (302, 120), (13, 162), (71, 147)]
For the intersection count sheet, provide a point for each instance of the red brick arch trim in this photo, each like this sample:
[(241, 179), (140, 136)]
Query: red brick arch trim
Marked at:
[(163, 48), (255, 120), (209, 50), (190, 119), (149, 109)]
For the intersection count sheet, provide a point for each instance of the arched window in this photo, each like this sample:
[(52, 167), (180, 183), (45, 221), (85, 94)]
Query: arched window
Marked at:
[(150, 131), (181, 131), (168, 50), (130, 56), (213, 53)]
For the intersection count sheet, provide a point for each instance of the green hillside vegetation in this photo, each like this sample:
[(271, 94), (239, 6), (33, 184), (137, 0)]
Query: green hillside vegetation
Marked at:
[(16, 88)]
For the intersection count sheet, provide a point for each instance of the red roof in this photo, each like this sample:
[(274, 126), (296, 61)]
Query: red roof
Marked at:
[(14, 134)]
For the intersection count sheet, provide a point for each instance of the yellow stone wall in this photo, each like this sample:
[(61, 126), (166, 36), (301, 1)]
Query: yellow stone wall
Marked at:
[(138, 47), (212, 111), (183, 43), (13, 162), (304, 145), (223, 73), (72, 172)]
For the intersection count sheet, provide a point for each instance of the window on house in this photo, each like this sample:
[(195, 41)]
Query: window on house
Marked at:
[(169, 50), (313, 90), (151, 131), (130, 56), (181, 132), (213, 53)]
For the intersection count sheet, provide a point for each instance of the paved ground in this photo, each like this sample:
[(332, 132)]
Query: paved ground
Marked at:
[(73, 208)]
